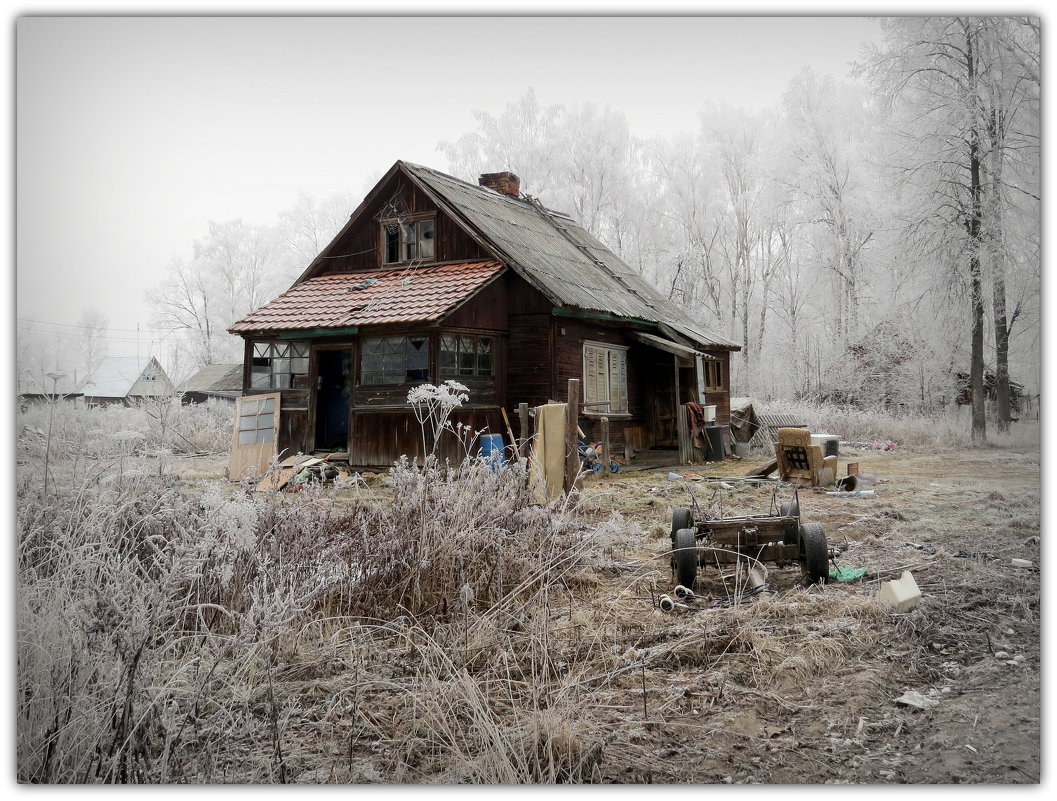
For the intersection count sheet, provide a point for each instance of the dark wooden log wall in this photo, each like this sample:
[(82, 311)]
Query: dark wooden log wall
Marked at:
[(379, 438)]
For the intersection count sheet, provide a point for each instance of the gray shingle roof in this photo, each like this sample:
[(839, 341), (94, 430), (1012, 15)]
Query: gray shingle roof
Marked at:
[(557, 256), (215, 378)]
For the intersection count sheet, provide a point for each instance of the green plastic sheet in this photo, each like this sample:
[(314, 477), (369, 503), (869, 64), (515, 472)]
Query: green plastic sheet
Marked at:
[(846, 573)]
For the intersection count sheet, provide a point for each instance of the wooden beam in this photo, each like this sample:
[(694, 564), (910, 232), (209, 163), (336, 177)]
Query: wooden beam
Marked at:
[(526, 434), (572, 452), (604, 425)]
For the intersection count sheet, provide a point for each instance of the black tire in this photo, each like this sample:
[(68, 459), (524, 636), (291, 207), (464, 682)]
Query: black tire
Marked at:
[(686, 557), (792, 531), (814, 553), (681, 518)]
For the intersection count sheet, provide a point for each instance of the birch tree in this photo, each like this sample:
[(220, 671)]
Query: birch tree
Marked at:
[(929, 73)]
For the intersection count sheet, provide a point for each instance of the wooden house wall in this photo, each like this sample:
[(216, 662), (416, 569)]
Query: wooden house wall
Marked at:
[(381, 437), (531, 373), (362, 243)]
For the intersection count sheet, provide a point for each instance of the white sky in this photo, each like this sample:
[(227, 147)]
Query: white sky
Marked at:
[(133, 133)]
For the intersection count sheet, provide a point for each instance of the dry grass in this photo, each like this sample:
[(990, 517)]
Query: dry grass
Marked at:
[(438, 628)]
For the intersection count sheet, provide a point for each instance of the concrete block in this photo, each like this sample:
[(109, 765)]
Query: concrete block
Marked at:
[(902, 594)]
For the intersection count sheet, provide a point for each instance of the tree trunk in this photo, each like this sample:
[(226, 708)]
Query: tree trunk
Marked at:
[(976, 357)]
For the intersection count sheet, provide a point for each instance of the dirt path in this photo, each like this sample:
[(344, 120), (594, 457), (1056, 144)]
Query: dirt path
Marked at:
[(801, 687)]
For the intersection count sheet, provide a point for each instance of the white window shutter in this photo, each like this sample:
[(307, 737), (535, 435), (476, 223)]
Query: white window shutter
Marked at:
[(618, 381)]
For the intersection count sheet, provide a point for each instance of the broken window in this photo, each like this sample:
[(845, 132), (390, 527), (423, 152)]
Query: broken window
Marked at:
[(279, 365), (394, 360), (605, 379), (407, 241), (465, 355)]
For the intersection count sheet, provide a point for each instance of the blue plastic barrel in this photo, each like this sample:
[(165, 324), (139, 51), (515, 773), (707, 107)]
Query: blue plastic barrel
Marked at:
[(492, 449)]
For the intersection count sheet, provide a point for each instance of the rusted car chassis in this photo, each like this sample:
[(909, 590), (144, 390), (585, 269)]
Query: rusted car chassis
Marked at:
[(783, 539)]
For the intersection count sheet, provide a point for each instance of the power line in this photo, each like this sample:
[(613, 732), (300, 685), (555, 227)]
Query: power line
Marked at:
[(91, 327)]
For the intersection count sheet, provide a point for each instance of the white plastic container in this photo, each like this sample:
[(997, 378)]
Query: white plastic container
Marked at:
[(710, 414)]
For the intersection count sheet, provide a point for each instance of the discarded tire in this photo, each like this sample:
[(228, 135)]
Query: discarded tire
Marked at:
[(681, 518), (686, 557), (814, 553), (792, 531)]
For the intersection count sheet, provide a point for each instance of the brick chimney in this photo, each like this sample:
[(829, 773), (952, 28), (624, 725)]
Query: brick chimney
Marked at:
[(505, 183)]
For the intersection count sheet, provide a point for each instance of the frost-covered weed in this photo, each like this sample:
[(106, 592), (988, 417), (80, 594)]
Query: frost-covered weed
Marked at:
[(154, 619), (909, 430)]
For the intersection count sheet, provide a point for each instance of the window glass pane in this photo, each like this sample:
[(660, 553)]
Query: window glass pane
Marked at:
[(425, 239), (261, 348), (280, 349), (449, 342), (407, 231), (484, 364), (247, 422), (281, 381), (392, 242), (269, 405), (299, 365), (298, 348), (467, 363), (266, 421), (484, 345), (280, 366), (265, 435), (247, 437)]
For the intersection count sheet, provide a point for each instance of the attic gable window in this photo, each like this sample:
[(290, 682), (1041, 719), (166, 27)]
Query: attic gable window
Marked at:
[(407, 241), (605, 379)]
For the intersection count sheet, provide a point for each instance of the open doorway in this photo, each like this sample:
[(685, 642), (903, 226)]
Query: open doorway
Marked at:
[(334, 369)]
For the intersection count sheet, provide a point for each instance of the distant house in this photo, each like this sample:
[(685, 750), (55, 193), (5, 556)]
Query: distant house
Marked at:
[(125, 379), (434, 278), (221, 382), (35, 388)]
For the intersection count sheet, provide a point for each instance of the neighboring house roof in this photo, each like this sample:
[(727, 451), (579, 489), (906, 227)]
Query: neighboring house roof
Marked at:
[(116, 375), (215, 378), (412, 294), (32, 383)]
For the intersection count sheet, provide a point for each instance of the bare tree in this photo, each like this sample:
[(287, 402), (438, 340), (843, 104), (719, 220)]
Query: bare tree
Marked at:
[(92, 324), (930, 72)]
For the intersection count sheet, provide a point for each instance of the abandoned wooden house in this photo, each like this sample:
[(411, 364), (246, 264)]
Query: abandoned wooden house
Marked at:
[(434, 278)]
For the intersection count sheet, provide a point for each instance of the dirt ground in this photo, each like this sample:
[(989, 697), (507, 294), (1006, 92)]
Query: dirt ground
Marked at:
[(955, 520), (802, 686)]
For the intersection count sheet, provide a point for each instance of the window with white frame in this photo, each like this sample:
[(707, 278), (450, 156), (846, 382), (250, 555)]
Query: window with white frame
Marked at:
[(605, 378)]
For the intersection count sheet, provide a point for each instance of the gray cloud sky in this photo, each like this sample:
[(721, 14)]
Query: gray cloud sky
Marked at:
[(133, 133)]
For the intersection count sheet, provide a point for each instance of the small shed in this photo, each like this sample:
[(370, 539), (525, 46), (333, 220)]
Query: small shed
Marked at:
[(125, 379), (217, 382)]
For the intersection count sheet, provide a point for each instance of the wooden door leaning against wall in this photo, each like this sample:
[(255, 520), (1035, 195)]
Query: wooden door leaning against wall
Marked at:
[(254, 438)]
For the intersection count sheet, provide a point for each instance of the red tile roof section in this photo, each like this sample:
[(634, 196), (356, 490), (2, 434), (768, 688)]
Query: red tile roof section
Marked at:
[(411, 294)]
